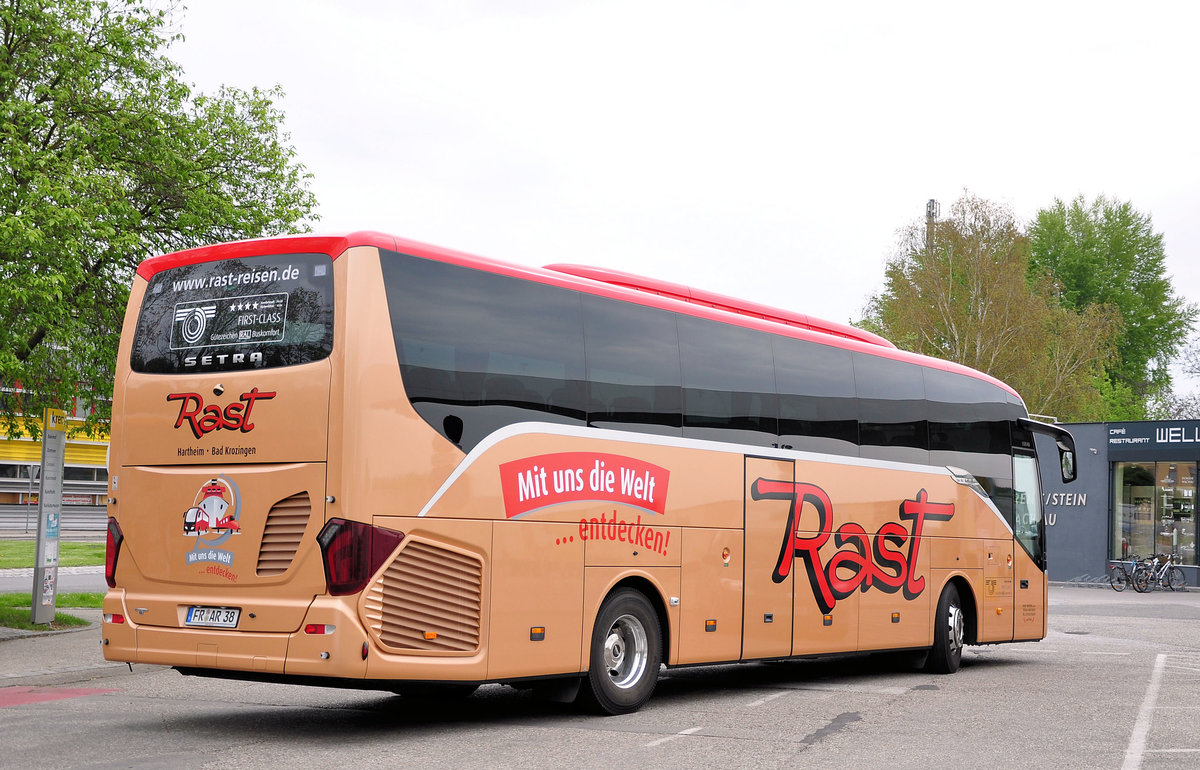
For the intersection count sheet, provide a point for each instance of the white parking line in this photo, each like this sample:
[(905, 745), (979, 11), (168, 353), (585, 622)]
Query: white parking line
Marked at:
[(767, 699), (1053, 651), (663, 740), (1141, 728)]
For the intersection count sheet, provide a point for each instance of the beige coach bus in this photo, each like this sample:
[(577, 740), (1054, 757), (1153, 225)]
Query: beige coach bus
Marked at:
[(363, 461)]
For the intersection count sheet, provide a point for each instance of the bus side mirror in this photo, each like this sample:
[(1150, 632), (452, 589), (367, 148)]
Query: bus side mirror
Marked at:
[(1068, 464)]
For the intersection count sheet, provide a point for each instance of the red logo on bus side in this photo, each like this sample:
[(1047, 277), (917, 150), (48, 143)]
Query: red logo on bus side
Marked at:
[(884, 565), (567, 477), (203, 419)]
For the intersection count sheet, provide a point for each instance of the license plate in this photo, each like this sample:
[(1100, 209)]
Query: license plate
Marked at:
[(217, 617)]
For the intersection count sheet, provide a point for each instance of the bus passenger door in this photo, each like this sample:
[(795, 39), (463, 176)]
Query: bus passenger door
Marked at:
[(767, 610)]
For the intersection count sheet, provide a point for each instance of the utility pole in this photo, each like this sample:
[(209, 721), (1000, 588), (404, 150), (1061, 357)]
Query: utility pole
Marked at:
[(933, 210)]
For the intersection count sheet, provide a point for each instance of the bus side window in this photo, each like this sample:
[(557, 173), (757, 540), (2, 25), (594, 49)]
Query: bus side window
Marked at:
[(489, 350), (818, 410), (728, 383), (632, 355), (893, 414)]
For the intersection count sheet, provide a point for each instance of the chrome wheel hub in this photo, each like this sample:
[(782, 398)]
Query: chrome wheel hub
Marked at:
[(957, 624), (626, 651)]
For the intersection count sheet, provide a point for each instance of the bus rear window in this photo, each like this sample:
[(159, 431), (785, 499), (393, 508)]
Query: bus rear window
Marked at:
[(236, 314)]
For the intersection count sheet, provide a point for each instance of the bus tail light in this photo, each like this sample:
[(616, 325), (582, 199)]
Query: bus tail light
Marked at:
[(318, 629), (112, 549), (352, 552)]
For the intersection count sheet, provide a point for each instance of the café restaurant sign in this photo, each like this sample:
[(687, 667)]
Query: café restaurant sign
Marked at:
[(1147, 435)]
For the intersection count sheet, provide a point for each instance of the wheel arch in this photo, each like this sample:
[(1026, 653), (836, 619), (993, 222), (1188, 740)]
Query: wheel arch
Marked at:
[(653, 594), (969, 603)]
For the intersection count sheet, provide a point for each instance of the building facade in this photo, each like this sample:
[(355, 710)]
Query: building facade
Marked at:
[(85, 475), (1135, 495)]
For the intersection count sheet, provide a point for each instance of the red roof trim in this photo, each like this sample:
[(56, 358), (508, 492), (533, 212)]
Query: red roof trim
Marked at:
[(333, 245), (773, 321)]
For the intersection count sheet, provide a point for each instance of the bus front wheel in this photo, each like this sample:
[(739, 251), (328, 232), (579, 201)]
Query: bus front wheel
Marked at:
[(949, 631), (626, 652)]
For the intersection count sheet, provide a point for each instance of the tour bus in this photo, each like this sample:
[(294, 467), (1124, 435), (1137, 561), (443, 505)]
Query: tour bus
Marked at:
[(358, 460)]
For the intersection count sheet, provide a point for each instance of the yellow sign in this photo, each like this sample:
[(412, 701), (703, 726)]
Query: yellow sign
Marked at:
[(55, 419)]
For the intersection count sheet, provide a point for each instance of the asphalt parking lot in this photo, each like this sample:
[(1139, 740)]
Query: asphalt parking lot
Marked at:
[(1113, 685)]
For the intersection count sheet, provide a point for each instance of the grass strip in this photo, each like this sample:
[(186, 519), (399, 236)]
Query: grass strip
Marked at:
[(18, 554), (16, 611)]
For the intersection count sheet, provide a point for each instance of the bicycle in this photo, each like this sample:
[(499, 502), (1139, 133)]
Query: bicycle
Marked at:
[(1118, 575), (1159, 571)]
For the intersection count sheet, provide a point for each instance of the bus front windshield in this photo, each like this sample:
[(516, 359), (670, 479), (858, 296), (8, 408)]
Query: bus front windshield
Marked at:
[(1027, 495)]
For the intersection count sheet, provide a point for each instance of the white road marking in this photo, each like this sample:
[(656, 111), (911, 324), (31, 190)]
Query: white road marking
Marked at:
[(767, 699), (1141, 728), (665, 739)]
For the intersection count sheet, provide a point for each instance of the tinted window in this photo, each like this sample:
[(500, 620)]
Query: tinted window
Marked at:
[(632, 367), (235, 314), (817, 406), (728, 382), (968, 428), (479, 351), (892, 410)]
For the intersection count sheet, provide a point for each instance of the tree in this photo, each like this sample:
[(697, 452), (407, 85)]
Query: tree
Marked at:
[(1106, 252), (965, 298), (106, 158), (1175, 405)]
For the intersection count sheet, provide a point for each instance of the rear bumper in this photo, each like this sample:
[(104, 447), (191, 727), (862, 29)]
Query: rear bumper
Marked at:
[(348, 653), (340, 653)]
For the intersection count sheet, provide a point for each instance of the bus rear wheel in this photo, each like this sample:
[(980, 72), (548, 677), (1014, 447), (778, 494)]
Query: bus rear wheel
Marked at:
[(949, 632), (626, 652)]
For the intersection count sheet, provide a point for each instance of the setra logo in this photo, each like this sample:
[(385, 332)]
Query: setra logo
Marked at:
[(204, 419)]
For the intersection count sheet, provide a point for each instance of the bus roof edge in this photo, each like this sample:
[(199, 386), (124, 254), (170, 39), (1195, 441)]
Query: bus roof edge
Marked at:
[(720, 301)]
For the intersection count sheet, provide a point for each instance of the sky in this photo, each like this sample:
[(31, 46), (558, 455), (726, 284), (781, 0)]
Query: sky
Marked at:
[(767, 150)]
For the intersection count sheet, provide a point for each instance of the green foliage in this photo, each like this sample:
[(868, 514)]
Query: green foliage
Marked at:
[(1121, 403), (1107, 253), (963, 298), (106, 158)]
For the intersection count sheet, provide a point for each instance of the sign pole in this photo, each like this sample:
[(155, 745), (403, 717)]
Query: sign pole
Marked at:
[(45, 565)]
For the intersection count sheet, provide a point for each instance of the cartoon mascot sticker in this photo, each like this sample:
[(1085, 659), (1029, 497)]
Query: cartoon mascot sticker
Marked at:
[(212, 519)]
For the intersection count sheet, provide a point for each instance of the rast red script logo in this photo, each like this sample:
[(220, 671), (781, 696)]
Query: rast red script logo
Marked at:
[(203, 418), (888, 561)]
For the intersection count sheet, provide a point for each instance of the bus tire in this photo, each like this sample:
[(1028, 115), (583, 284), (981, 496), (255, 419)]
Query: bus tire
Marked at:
[(949, 630), (626, 652)]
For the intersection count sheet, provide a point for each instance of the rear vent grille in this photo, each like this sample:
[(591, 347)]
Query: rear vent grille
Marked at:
[(428, 599), (285, 527)]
